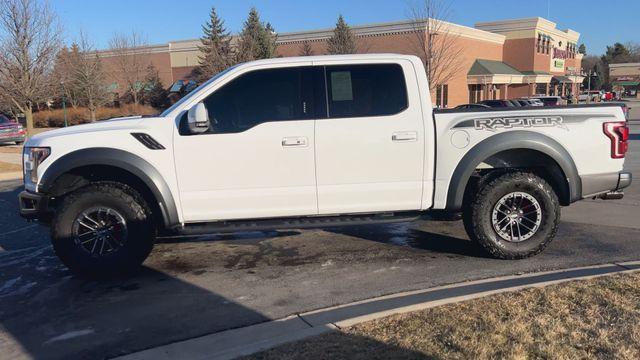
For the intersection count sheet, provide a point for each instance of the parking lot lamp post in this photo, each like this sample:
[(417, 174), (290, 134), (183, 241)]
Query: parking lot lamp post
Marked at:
[(591, 73)]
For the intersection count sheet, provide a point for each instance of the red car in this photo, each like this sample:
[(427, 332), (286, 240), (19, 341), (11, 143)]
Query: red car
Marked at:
[(11, 131)]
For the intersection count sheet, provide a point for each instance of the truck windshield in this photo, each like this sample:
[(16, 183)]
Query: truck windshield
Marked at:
[(195, 91)]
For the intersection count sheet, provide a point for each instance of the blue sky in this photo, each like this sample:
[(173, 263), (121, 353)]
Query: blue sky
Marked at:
[(600, 22)]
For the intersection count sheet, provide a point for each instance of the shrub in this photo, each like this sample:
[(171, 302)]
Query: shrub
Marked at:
[(75, 116)]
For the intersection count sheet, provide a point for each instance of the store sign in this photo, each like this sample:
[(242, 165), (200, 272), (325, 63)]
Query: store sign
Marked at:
[(559, 53), (558, 64)]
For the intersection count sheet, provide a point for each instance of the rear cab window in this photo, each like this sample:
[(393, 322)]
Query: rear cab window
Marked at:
[(365, 90)]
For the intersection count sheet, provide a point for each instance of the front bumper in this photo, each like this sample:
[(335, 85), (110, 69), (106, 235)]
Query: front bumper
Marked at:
[(34, 206)]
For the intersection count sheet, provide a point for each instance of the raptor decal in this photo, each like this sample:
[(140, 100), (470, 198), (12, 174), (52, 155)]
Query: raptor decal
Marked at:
[(494, 124)]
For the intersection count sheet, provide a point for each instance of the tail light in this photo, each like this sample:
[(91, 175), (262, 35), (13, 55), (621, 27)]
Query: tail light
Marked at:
[(618, 133)]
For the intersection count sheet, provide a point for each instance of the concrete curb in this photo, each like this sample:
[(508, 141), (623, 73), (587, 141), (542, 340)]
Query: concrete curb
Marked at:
[(245, 341)]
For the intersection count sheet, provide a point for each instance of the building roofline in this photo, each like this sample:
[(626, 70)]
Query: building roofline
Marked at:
[(619, 65), (376, 29)]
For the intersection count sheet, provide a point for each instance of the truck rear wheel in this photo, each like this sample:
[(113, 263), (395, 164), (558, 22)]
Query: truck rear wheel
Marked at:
[(513, 216), (103, 229)]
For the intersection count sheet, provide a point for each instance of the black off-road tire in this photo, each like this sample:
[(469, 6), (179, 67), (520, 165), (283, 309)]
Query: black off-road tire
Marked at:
[(140, 230), (478, 215)]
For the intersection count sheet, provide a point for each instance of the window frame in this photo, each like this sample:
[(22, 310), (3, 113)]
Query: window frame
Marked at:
[(305, 81), (325, 67)]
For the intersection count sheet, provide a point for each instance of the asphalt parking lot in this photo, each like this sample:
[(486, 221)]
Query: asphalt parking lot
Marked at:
[(195, 286)]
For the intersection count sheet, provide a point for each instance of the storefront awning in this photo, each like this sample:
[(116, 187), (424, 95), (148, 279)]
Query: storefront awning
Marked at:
[(492, 67), (562, 79), (626, 83)]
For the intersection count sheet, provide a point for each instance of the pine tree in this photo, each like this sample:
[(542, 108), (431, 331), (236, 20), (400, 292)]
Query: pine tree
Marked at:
[(257, 40), (216, 48), (306, 49), (343, 41), (582, 49), (155, 93)]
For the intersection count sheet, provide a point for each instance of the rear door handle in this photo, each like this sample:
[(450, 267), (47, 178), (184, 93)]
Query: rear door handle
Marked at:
[(404, 136), (299, 141)]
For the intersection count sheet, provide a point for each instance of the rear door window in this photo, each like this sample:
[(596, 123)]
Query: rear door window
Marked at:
[(365, 90)]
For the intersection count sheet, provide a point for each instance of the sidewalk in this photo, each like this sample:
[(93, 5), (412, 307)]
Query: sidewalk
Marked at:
[(248, 340)]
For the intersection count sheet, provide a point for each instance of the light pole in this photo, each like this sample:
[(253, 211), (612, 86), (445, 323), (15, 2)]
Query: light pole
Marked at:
[(64, 104), (590, 74)]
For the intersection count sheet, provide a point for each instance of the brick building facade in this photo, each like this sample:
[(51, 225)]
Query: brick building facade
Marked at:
[(502, 59)]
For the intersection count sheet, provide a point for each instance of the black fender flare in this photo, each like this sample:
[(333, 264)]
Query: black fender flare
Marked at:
[(124, 160), (518, 139)]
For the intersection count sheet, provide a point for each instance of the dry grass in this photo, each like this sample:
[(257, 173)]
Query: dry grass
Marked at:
[(10, 149), (597, 318), (55, 118), (8, 167)]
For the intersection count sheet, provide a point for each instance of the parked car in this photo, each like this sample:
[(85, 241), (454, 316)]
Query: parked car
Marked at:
[(11, 131), (264, 145), (529, 102), (497, 103), (588, 96), (472, 106), (551, 100)]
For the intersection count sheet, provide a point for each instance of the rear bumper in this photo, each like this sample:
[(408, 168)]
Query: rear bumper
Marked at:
[(33, 206), (596, 185), (4, 139)]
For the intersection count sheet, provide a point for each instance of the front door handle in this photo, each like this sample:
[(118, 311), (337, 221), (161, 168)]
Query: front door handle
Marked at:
[(299, 141), (404, 136)]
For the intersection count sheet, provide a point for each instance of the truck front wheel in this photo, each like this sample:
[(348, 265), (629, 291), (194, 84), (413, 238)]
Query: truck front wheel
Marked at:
[(513, 216), (103, 229)]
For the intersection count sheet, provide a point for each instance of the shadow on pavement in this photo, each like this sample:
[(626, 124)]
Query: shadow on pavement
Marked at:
[(340, 345), (45, 312), (404, 235)]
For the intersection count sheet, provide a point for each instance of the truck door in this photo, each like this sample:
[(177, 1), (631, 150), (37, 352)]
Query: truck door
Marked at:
[(370, 148), (257, 157)]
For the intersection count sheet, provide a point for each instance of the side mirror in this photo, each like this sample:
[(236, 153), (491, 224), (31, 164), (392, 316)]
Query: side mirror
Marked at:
[(198, 119)]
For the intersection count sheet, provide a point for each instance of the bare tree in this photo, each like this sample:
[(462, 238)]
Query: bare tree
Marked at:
[(433, 41), (88, 78), (66, 60), (129, 61), (29, 41), (306, 49)]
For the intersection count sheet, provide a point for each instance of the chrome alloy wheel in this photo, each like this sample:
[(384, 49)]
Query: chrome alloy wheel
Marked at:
[(516, 216), (100, 230)]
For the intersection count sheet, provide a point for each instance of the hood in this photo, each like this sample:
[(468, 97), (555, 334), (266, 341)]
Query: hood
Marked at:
[(122, 123)]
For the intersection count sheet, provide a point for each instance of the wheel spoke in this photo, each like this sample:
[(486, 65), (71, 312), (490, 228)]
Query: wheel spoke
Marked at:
[(90, 227), (526, 227)]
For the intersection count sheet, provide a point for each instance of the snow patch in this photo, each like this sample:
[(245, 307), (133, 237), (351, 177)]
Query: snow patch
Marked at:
[(70, 335)]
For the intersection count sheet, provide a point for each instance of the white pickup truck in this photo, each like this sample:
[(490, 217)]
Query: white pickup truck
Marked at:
[(317, 142)]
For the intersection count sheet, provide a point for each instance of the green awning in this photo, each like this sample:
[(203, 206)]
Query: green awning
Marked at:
[(561, 79), (492, 67), (626, 83)]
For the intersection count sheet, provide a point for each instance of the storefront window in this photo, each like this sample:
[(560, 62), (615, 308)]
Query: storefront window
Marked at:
[(442, 96), (475, 93)]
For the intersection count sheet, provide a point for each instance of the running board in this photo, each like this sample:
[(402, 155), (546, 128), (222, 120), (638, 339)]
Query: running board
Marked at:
[(307, 222)]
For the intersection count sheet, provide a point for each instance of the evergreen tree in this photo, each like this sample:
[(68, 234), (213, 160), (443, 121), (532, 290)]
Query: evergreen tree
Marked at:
[(343, 41), (155, 93), (216, 48), (582, 49), (257, 40), (306, 49)]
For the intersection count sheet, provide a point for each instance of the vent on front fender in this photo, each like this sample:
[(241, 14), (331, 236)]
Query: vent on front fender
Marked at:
[(148, 141)]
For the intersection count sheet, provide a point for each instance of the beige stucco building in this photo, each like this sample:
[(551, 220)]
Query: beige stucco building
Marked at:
[(500, 59), (625, 77)]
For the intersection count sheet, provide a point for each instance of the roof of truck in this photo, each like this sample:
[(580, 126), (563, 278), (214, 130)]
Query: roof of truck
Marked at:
[(348, 57)]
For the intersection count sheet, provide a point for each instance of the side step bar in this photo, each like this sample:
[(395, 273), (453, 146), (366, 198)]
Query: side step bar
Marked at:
[(307, 222)]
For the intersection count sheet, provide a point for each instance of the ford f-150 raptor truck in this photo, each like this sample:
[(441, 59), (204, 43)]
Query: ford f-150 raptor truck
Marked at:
[(317, 142)]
